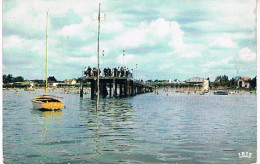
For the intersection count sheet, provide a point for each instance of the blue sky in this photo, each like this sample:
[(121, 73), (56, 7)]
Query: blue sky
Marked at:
[(166, 39)]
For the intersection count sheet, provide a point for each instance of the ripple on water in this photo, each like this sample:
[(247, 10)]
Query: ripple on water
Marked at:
[(147, 128)]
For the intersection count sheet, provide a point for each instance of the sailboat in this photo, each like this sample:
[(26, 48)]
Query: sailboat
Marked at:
[(47, 102)]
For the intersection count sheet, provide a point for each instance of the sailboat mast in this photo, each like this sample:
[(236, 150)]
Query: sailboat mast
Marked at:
[(46, 64), (98, 58)]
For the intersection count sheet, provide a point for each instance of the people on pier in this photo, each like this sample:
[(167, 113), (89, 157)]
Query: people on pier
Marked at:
[(85, 71), (89, 71), (105, 72), (131, 73), (122, 71), (118, 72), (95, 72), (108, 72)]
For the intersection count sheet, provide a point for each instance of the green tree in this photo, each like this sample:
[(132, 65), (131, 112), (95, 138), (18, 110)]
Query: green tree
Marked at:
[(52, 79), (8, 78), (4, 78), (253, 83), (221, 81), (232, 83), (18, 79)]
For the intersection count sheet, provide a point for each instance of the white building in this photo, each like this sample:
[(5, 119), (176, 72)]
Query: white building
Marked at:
[(195, 80), (70, 81), (205, 86), (243, 82)]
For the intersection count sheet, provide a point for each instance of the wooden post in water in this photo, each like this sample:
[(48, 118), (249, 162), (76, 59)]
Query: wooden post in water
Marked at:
[(81, 88), (133, 87), (114, 88), (120, 91), (93, 89), (104, 89), (98, 58), (110, 89), (125, 88)]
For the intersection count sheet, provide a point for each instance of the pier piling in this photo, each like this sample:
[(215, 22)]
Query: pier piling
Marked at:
[(81, 88), (109, 85)]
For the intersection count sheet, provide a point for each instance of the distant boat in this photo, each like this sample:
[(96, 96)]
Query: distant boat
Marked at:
[(47, 102), (221, 92)]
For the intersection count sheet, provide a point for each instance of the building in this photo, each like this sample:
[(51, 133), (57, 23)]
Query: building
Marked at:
[(26, 83), (176, 81), (243, 82), (205, 83), (70, 81), (205, 86), (195, 80), (54, 84)]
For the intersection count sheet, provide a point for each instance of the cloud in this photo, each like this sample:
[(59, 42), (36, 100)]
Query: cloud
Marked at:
[(156, 33), (76, 30), (156, 36), (224, 42), (219, 63), (17, 43), (246, 55), (126, 59), (191, 55)]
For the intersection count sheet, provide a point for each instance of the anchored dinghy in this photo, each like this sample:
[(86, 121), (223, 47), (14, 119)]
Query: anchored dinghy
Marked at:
[(47, 102)]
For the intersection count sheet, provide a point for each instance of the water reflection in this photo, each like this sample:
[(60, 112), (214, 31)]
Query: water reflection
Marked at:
[(111, 128), (47, 114), (146, 128)]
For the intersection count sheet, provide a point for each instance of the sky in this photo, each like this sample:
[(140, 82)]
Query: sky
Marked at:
[(165, 39)]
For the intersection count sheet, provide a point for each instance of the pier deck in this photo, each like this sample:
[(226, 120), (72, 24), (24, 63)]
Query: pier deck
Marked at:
[(115, 86)]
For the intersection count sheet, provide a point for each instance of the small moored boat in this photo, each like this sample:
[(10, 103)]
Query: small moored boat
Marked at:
[(47, 102), (221, 92)]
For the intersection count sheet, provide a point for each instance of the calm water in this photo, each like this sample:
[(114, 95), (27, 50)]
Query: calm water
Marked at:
[(147, 128)]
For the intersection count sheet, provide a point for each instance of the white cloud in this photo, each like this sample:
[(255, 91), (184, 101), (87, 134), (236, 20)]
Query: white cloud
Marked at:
[(218, 63), (18, 43), (112, 26), (126, 59), (152, 38), (234, 12), (13, 42), (224, 42), (77, 30), (245, 54), (191, 55), (155, 33)]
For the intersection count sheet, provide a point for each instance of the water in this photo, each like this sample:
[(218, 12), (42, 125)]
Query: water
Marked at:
[(147, 128)]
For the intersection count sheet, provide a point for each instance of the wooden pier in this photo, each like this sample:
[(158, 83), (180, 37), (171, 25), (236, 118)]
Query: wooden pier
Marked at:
[(115, 86)]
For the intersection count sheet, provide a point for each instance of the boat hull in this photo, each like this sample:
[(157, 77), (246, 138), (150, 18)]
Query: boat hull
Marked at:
[(220, 93), (48, 103)]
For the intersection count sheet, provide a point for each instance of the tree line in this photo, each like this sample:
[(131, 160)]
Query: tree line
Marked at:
[(223, 80), (10, 79), (220, 81)]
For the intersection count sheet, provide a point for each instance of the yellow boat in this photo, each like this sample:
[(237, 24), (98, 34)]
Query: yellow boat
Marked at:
[(47, 102)]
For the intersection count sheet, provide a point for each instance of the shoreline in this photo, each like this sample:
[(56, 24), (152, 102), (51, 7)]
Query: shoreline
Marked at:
[(157, 90)]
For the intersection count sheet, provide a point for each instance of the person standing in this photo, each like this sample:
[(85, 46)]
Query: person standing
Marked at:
[(89, 71), (86, 71)]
